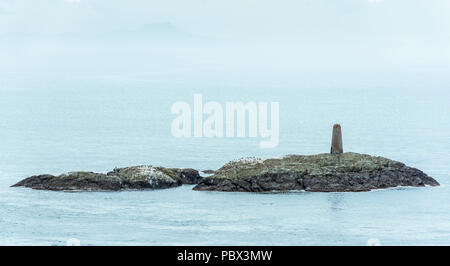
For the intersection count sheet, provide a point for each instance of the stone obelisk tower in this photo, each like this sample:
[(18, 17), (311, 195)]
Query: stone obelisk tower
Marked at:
[(336, 141)]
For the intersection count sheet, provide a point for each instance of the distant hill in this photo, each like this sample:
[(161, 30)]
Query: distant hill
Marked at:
[(152, 32)]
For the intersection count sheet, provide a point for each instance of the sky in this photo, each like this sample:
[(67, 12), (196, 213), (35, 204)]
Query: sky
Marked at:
[(283, 34), (314, 20)]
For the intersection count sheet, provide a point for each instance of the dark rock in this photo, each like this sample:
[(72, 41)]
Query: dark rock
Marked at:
[(72, 181), (187, 175), (137, 177), (321, 173)]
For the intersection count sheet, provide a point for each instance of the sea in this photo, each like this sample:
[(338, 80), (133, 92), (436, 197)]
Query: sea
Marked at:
[(94, 107)]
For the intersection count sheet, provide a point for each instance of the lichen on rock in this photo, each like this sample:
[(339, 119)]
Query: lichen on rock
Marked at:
[(146, 177)]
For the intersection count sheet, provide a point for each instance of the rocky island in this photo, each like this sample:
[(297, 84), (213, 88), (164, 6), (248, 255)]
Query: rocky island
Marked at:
[(332, 172), (346, 172), (136, 177)]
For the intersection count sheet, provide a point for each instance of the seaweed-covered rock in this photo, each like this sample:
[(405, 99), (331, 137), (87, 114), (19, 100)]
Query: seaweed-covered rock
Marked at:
[(321, 173), (136, 177)]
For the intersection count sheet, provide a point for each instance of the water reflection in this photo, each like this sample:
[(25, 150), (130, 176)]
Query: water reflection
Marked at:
[(336, 201)]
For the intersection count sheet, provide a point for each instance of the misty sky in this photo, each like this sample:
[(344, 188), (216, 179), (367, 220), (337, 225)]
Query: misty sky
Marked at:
[(353, 20)]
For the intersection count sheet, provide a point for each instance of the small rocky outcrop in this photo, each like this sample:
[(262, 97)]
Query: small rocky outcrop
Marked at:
[(322, 173), (136, 177)]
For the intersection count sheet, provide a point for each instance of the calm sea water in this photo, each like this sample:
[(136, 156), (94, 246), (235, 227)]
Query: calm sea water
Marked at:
[(94, 112)]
